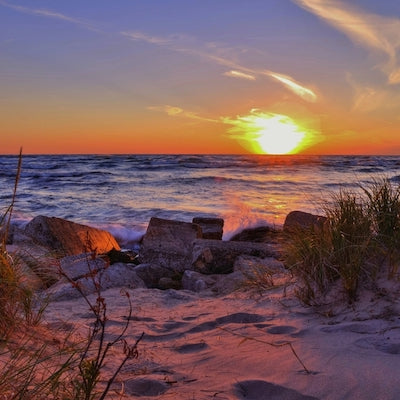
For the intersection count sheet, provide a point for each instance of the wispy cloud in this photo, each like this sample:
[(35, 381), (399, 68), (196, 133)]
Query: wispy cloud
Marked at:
[(297, 88), (174, 111), (184, 44), (374, 32), (373, 98), (48, 14), (241, 75)]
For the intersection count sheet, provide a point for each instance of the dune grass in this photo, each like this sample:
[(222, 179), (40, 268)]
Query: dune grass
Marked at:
[(360, 237)]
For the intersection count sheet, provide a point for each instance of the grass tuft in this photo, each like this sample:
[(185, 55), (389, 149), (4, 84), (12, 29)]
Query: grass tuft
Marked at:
[(360, 233)]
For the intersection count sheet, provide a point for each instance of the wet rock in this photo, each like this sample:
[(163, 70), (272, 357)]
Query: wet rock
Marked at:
[(296, 220), (212, 228), (68, 238), (261, 234)]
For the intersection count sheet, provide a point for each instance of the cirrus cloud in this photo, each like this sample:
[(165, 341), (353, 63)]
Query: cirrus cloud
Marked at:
[(375, 32)]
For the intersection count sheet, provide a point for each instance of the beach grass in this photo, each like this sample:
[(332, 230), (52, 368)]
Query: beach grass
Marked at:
[(361, 236)]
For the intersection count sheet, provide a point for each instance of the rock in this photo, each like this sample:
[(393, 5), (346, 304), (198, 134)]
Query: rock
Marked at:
[(169, 243), (196, 282), (216, 284), (218, 257), (127, 257), (212, 228), (296, 220), (68, 238), (152, 274), (116, 275), (261, 234), (78, 266), (39, 265), (169, 283)]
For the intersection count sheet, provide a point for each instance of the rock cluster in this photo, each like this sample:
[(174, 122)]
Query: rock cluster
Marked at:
[(173, 255)]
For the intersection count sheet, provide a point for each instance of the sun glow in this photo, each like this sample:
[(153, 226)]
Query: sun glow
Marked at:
[(270, 133)]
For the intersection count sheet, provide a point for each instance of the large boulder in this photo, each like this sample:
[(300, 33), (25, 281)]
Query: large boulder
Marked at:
[(218, 257), (259, 234), (300, 220), (212, 228), (68, 238), (169, 243)]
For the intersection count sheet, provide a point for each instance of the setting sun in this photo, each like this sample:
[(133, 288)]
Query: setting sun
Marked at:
[(270, 133)]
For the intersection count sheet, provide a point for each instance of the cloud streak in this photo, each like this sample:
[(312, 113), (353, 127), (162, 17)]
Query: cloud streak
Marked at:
[(241, 75), (295, 87), (174, 111), (184, 44), (374, 32), (47, 14), (180, 44)]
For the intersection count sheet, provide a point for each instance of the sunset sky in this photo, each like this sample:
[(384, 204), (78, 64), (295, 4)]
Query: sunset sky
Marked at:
[(200, 76)]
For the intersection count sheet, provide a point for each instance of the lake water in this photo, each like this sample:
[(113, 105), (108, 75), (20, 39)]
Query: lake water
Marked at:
[(121, 193)]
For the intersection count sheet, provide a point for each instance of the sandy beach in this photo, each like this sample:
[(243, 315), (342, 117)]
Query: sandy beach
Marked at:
[(240, 346)]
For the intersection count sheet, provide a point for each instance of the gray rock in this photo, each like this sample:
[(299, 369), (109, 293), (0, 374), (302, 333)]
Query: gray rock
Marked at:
[(77, 266), (218, 257), (215, 284), (169, 243), (68, 238), (196, 282), (260, 234), (298, 220), (212, 228), (116, 275), (152, 274)]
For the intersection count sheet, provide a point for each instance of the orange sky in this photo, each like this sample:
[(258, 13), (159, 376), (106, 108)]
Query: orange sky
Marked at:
[(180, 78)]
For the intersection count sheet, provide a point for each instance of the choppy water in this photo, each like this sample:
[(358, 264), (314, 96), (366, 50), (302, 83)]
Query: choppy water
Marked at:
[(122, 192)]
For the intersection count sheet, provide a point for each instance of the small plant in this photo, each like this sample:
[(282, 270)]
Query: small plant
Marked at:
[(96, 349)]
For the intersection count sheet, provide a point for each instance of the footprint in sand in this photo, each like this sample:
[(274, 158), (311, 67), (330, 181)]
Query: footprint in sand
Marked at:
[(282, 330), (381, 344), (191, 348), (236, 318), (355, 328), (240, 318), (262, 390), (168, 326), (144, 387)]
